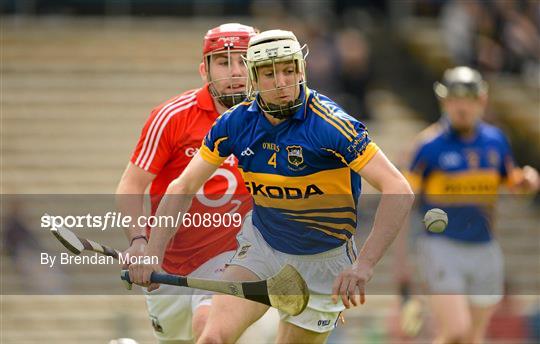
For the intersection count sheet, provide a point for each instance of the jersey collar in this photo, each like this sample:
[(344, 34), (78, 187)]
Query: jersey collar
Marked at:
[(205, 100)]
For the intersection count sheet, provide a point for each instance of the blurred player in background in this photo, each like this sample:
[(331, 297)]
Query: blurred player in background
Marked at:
[(302, 158), (171, 137), (458, 165)]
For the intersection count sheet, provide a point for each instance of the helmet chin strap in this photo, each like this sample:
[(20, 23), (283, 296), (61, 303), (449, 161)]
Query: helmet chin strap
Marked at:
[(282, 111), (230, 100), (227, 100)]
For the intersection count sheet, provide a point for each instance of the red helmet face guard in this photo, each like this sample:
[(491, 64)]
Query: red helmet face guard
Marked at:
[(224, 40)]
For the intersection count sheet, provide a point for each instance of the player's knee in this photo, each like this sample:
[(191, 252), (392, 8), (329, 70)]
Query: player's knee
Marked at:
[(476, 335), (457, 333)]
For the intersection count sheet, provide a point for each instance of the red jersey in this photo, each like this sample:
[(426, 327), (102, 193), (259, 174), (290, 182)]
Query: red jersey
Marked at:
[(170, 138)]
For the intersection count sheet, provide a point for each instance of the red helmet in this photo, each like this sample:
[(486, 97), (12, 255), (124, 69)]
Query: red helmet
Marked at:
[(228, 37)]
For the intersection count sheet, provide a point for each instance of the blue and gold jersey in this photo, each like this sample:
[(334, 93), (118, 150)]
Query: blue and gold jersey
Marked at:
[(462, 177), (301, 173)]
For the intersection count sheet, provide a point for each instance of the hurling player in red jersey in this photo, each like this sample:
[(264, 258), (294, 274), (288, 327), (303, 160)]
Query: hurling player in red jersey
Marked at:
[(171, 136)]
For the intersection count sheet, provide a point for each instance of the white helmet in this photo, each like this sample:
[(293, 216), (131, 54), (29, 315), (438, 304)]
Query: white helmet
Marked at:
[(268, 48), (460, 81)]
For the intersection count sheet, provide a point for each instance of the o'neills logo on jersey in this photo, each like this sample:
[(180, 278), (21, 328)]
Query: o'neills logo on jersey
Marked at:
[(274, 191)]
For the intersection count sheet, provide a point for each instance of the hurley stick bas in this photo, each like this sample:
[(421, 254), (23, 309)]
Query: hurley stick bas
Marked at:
[(286, 290)]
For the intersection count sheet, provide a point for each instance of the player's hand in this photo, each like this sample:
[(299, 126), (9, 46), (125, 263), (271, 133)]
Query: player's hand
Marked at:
[(526, 179), (140, 273), (351, 284), (135, 250), (531, 180)]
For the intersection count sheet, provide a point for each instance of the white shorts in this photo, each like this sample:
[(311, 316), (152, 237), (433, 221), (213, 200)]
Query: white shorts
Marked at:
[(171, 308), (319, 271), (452, 267)]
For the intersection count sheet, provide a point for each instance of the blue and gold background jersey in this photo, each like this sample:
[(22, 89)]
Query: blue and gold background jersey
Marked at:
[(301, 173), (462, 177)]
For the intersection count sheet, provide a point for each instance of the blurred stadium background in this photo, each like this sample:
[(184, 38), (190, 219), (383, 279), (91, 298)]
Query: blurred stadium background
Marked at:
[(79, 77)]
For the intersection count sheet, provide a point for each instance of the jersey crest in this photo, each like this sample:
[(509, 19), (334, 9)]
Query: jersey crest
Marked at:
[(294, 155)]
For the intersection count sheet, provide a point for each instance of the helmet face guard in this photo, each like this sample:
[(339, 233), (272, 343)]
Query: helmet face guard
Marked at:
[(222, 41), (268, 49), (226, 99)]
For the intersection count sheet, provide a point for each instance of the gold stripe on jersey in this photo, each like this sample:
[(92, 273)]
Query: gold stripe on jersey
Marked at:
[(359, 163), (340, 215), (336, 235), (270, 190), (348, 123), (484, 182), (344, 226), (467, 187), (213, 157), (327, 202), (341, 157), (317, 112), (342, 122)]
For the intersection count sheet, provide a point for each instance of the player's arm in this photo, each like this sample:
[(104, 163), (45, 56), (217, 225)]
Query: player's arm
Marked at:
[(410, 316), (130, 198), (394, 206), (139, 173), (410, 166), (177, 200), (416, 163), (130, 202)]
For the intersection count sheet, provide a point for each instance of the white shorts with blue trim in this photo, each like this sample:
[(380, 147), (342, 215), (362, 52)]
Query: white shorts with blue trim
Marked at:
[(319, 271)]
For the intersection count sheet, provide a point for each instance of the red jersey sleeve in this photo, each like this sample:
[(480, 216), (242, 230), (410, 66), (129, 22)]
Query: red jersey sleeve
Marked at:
[(160, 133)]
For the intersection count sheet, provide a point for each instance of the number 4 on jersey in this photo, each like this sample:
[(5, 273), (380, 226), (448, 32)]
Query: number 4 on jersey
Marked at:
[(230, 160), (272, 160)]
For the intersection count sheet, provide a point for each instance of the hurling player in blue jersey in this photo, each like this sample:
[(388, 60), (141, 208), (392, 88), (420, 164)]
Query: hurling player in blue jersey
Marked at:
[(458, 165), (302, 158)]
